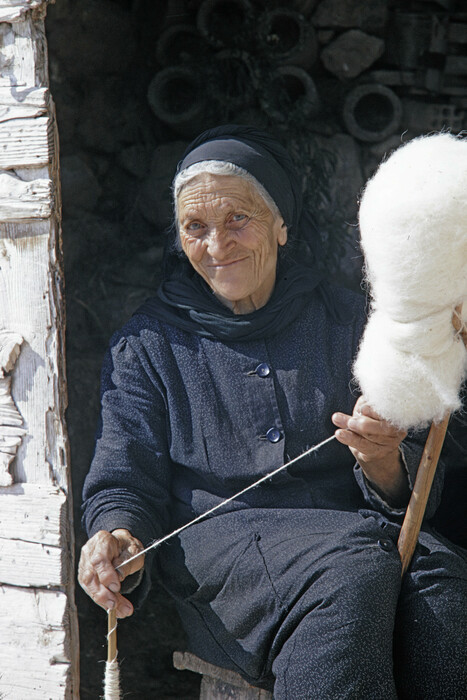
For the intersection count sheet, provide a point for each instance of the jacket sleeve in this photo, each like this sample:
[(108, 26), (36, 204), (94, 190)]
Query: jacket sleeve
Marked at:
[(129, 479), (411, 450)]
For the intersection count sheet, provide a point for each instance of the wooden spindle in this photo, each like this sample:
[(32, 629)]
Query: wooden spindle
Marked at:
[(112, 671), (111, 635)]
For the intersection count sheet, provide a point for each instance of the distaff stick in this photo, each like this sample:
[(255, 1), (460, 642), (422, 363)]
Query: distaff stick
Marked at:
[(426, 471), (410, 530)]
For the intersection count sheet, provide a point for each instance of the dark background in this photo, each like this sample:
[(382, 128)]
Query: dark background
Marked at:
[(340, 82)]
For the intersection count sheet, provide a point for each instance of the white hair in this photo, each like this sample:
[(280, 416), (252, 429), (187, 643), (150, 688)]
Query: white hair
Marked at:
[(217, 167)]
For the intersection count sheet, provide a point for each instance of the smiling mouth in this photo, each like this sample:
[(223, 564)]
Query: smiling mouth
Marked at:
[(226, 264)]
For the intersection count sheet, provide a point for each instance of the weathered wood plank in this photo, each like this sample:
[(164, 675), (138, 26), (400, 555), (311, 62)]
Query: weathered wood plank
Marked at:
[(23, 104), (38, 628), (24, 200), (32, 513), (218, 683), (31, 564), (16, 96), (26, 142), (24, 51), (33, 536), (11, 421), (29, 271), (13, 10), (34, 649)]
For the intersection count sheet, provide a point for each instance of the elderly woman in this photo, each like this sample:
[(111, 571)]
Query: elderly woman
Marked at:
[(237, 366)]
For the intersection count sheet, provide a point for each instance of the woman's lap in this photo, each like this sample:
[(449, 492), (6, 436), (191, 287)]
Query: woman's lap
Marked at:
[(432, 619), (309, 595)]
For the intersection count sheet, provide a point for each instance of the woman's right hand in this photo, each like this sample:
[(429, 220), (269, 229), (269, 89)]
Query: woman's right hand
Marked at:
[(97, 572)]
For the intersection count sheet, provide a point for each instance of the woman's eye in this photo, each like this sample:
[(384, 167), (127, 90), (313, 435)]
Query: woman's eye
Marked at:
[(194, 226), (238, 219)]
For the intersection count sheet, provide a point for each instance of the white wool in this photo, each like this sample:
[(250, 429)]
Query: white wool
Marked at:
[(413, 225)]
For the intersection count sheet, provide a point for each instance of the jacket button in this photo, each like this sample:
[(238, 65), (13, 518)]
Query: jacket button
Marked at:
[(273, 435), (386, 545), (263, 370)]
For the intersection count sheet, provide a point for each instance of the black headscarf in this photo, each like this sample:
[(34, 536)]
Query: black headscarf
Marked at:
[(186, 301)]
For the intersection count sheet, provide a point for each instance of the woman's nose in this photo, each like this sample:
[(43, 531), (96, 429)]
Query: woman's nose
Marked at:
[(219, 242)]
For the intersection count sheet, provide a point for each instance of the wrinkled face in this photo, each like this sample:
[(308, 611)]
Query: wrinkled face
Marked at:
[(231, 238)]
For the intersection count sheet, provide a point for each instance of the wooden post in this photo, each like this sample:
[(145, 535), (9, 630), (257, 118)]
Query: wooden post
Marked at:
[(38, 621)]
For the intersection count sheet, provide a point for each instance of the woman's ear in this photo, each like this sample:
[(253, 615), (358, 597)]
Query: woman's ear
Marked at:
[(282, 235)]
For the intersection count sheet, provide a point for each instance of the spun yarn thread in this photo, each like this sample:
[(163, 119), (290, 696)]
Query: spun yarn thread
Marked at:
[(112, 680)]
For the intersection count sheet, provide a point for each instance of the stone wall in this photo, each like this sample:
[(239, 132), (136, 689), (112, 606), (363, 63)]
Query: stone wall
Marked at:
[(340, 82)]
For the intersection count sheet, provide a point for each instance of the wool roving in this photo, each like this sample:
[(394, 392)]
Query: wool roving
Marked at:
[(413, 227)]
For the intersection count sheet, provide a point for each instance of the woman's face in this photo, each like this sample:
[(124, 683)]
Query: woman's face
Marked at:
[(231, 239)]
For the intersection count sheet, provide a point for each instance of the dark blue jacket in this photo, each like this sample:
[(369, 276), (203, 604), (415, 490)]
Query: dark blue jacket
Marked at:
[(188, 421)]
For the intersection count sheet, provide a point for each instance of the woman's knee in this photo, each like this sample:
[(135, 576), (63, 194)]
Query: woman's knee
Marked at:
[(430, 640), (336, 639)]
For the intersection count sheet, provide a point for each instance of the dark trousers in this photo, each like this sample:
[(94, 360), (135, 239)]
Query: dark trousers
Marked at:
[(311, 604)]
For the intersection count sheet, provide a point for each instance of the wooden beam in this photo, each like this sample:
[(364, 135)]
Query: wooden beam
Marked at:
[(33, 536), (39, 650), (31, 564), (32, 513), (22, 200), (16, 103), (35, 652), (14, 10), (30, 271), (24, 48), (26, 142)]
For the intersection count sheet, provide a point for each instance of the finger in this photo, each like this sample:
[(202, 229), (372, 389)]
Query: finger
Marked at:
[(106, 572), (363, 407), (375, 429), (365, 425), (123, 608), (368, 428), (366, 410), (361, 401), (354, 426), (340, 419), (129, 548), (368, 449), (123, 569), (96, 561), (99, 593), (107, 600)]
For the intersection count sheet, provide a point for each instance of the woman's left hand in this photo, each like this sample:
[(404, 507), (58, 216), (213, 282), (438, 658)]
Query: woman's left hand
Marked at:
[(374, 443)]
